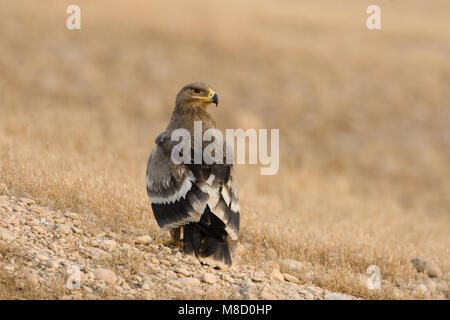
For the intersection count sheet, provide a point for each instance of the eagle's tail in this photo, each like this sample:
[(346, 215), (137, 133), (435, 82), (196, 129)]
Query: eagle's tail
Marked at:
[(207, 239)]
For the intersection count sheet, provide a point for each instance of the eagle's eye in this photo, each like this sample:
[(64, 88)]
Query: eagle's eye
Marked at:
[(196, 90)]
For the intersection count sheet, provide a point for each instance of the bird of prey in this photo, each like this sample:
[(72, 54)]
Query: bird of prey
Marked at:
[(197, 201)]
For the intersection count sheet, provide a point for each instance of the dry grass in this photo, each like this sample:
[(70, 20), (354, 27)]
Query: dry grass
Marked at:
[(364, 115)]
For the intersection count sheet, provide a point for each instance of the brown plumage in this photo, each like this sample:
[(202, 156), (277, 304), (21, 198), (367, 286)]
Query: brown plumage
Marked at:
[(199, 200)]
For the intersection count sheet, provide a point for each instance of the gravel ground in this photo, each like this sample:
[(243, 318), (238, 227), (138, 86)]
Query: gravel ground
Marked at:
[(59, 253), (55, 250)]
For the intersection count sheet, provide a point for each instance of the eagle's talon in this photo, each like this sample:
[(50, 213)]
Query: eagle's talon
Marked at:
[(172, 243)]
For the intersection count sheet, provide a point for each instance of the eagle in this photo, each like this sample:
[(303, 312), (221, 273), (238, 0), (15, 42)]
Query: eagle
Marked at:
[(195, 201)]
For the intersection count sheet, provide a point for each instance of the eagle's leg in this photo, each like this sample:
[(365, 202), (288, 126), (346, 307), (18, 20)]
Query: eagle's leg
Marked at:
[(175, 234)]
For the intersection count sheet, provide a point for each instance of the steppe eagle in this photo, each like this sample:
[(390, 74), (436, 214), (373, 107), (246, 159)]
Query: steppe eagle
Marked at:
[(199, 201)]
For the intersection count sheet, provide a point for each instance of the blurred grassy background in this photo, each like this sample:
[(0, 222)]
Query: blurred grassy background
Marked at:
[(364, 119)]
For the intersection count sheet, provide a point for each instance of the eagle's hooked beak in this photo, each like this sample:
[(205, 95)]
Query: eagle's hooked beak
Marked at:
[(213, 97)]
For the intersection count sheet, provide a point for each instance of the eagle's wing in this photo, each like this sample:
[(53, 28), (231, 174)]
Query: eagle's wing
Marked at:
[(171, 188), (218, 181), (180, 193), (230, 212)]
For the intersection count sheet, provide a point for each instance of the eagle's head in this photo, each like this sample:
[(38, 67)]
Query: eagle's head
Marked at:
[(197, 95)]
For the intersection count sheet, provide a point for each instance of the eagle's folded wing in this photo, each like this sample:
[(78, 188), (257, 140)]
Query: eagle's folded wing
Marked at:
[(179, 193), (172, 190), (217, 180), (227, 208)]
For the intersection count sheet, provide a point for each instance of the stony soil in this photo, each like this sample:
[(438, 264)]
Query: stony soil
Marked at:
[(54, 250), (56, 255)]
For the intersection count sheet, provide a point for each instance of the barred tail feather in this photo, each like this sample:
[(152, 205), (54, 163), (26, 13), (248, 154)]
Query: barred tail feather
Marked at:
[(207, 239), (192, 239), (218, 249)]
